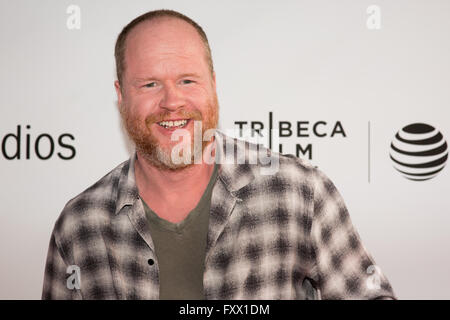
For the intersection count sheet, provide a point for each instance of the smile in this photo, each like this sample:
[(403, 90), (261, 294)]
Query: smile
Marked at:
[(173, 124)]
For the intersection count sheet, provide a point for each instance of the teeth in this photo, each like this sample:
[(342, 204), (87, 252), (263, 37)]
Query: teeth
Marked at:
[(170, 124)]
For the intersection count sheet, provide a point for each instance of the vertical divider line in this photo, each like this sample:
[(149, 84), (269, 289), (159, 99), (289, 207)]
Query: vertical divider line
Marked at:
[(270, 130)]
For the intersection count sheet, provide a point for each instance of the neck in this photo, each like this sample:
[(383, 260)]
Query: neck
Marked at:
[(169, 183)]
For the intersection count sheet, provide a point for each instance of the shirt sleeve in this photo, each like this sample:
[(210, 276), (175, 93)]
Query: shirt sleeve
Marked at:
[(343, 267), (56, 277)]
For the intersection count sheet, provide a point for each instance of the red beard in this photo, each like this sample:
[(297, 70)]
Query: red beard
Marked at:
[(147, 144)]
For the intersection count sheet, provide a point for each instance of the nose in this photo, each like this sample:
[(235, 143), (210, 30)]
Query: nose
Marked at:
[(173, 98)]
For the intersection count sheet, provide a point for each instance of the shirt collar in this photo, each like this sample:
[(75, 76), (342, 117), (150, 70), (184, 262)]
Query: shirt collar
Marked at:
[(234, 176), (127, 189)]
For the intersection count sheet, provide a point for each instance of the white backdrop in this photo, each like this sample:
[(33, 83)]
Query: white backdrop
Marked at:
[(301, 60)]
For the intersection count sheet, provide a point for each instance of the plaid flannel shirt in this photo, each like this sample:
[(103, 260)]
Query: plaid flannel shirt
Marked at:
[(287, 235)]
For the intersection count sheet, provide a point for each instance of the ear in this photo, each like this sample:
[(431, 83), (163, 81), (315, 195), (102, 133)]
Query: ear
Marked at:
[(118, 92)]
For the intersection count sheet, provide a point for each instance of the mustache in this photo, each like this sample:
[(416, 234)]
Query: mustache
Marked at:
[(183, 114)]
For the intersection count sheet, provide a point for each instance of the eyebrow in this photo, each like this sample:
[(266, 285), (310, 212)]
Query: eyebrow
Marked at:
[(183, 75)]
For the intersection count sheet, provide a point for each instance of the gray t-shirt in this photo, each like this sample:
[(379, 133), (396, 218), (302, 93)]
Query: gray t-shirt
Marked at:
[(180, 249)]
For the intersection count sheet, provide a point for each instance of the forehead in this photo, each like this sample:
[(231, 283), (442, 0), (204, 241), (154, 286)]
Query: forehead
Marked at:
[(165, 43)]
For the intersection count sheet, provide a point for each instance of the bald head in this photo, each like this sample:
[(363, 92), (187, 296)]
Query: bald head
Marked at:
[(165, 29)]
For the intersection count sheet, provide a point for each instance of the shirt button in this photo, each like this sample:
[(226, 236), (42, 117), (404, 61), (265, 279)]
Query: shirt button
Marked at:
[(151, 262)]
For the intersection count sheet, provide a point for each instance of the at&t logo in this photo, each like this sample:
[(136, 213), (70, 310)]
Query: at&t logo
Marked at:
[(419, 152)]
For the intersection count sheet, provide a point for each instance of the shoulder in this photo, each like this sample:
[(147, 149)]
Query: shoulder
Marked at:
[(279, 171), (86, 211)]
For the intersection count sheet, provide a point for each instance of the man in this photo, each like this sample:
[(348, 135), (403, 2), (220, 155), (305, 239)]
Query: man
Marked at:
[(164, 225)]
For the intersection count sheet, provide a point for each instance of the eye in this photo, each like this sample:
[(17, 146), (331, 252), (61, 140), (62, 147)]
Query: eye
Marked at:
[(186, 81), (150, 85)]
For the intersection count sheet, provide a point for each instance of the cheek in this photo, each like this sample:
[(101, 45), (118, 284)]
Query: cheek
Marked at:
[(200, 98), (142, 106)]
